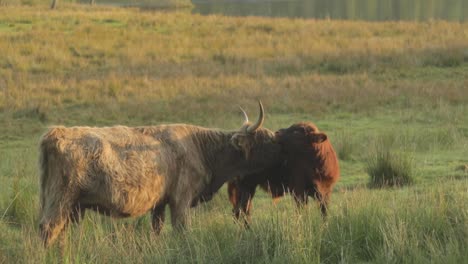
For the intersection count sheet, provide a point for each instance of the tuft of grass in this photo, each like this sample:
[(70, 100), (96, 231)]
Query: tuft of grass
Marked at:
[(344, 145), (389, 168)]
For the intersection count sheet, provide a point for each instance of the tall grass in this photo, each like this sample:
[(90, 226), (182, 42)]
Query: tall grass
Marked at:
[(389, 167), (345, 145), (410, 225)]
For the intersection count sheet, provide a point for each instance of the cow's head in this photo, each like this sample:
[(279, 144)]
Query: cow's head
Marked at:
[(300, 137), (253, 140)]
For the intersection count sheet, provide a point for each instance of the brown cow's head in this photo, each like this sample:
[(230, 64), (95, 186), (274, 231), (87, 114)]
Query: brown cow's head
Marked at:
[(253, 139), (300, 137)]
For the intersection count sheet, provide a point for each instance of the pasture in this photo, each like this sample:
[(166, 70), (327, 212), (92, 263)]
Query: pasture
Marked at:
[(400, 86)]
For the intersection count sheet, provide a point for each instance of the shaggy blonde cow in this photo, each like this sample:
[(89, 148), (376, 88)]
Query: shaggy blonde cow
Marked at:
[(127, 171)]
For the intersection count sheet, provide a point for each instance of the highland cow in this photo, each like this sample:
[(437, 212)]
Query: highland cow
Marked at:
[(127, 171), (308, 167)]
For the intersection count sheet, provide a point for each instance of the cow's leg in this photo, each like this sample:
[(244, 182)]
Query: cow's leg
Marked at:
[(324, 207), (50, 229), (300, 194), (301, 199), (241, 197), (322, 195), (56, 215), (77, 214), (180, 212), (234, 192), (247, 194), (323, 198), (58, 195), (158, 216)]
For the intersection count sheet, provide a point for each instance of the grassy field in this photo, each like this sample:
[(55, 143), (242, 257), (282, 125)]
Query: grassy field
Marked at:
[(400, 85)]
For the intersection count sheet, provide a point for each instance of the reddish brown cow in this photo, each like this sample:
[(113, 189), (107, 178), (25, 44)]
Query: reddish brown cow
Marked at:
[(309, 168)]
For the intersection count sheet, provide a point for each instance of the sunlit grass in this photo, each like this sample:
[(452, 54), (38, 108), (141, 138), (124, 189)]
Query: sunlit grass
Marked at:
[(413, 224), (104, 55)]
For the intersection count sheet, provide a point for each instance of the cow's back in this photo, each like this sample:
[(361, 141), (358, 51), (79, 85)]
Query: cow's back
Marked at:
[(110, 164)]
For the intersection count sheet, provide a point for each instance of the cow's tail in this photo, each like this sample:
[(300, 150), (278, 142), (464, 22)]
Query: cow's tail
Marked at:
[(51, 184), (47, 149), (43, 169)]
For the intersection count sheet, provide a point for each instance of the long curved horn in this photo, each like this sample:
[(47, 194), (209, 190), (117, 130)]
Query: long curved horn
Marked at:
[(260, 120), (246, 118)]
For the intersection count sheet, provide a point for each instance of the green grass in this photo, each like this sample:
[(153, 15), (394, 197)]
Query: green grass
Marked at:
[(360, 82), (388, 168)]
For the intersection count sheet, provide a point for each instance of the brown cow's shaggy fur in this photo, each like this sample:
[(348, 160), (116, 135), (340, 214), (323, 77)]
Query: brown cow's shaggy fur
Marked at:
[(309, 167), (128, 171)]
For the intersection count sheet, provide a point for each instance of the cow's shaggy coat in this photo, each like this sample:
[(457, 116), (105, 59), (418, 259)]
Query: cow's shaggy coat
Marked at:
[(309, 167), (127, 171)]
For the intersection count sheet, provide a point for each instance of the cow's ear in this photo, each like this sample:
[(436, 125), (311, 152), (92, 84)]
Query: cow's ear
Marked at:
[(318, 137), (243, 144)]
